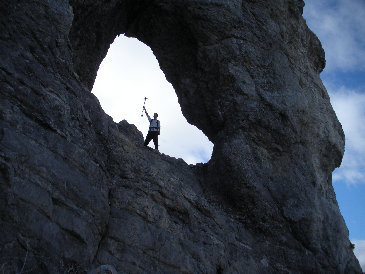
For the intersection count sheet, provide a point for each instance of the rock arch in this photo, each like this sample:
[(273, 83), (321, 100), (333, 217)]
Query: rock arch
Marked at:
[(238, 79), (163, 27)]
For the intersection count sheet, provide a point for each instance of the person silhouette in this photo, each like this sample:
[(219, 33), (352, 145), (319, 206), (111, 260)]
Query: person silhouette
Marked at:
[(153, 131)]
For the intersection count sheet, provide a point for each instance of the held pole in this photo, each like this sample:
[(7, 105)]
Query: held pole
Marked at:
[(144, 103)]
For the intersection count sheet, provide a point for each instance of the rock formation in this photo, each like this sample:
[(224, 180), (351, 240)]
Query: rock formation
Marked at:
[(78, 191)]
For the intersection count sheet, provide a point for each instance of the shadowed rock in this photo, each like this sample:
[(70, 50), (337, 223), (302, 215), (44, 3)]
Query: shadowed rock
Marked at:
[(78, 191)]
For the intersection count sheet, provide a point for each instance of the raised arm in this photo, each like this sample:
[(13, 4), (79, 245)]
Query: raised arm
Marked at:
[(148, 117)]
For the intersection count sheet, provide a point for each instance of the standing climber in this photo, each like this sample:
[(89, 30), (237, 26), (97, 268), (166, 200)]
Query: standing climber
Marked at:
[(154, 129)]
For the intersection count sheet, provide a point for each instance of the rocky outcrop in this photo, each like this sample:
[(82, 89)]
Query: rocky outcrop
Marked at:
[(78, 191)]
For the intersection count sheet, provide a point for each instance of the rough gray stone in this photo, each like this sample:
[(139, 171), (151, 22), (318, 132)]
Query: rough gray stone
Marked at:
[(78, 191)]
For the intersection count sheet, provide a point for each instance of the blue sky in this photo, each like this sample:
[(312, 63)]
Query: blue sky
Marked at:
[(130, 72)]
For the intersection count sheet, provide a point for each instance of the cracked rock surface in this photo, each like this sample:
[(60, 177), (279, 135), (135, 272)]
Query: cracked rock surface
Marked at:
[(78, 191)]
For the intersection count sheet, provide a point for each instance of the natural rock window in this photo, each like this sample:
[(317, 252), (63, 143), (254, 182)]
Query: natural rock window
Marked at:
[(130, 72)]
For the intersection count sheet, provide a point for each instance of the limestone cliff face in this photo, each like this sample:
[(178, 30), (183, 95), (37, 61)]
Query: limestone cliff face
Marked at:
[(78, 191)]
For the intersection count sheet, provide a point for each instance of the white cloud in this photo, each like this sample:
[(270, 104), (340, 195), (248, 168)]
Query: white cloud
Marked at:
[(349, 106), (340, 26), (131, 72), (360, 252)]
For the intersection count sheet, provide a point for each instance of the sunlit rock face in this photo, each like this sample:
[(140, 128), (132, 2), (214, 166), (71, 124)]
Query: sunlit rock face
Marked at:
[(78, 191)]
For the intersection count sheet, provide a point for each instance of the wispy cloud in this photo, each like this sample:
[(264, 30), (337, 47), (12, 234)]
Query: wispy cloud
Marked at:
[(360, 252), (340, 26), (350, 109)]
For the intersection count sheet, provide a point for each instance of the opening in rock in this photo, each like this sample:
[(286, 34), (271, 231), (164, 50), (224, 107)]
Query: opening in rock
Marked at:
[(130, 72)]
